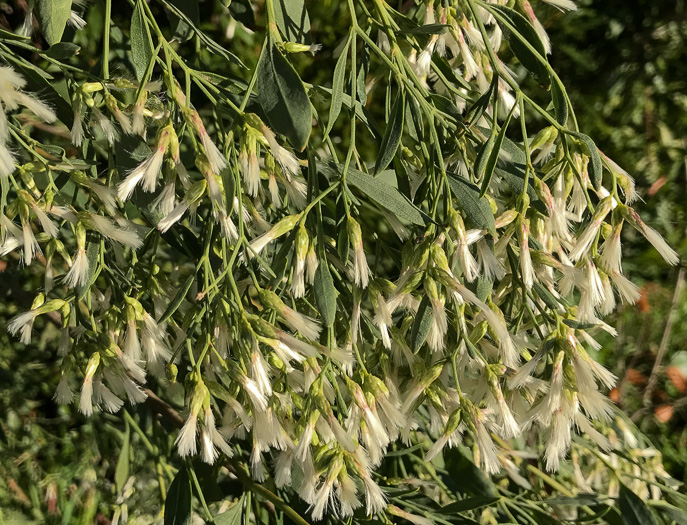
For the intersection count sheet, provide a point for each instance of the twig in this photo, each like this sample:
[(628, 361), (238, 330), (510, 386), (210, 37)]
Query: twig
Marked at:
[(653, 378)]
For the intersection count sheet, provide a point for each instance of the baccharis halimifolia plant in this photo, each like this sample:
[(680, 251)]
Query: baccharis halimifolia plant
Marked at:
[(408, 253)]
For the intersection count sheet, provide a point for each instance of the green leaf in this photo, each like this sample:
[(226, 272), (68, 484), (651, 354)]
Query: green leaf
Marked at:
[(495, 153), (141, 48), (671, 512), (292, 20), (53, 16), (560, 104), (633, 510), (546, 296), (232, 516), (361, 112), (178, 299), (578, 325), (62, 50), (325, 293), (122, 469), (183, 26), (595, 167), (283, 98), (518, 32), (337, 87), (422, 324), (577, 501), (428, 29), (242, 11), (186, 11), (466, 504), (392, 135), (178, 502), (387, 196), (342, 243), (476, 208)]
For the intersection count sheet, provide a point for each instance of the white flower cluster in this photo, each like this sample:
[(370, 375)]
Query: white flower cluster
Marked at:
[(476, 328)]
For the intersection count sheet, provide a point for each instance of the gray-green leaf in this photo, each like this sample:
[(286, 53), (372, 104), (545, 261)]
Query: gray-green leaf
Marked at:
[(392, 135), (476, 208), (633, 510), (519, 33), (422, 324), (53, 16), (387, 196), (122, 470), (325, 293), (292, 20), (337, 87), (141, 48), (232, 516), (283, 98), (62, 50), (595, 167)]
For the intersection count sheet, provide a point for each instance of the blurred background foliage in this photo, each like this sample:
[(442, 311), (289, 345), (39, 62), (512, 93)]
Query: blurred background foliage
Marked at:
[(625, 66), (624, 63)]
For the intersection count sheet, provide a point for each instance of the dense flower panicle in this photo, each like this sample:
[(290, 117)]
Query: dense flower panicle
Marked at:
[(327, 314)]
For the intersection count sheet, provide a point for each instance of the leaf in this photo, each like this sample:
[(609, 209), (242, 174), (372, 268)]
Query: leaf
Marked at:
[(178, 299), (475, 112), (422, 324), (387, 196), (337, 88), (560, 104), (190, 18), (470, 477), (62, 50), (495, 153), (178, 502), (671, 512), (232, 516), (428, 29), (518, 30), (633, 510), (578, 325), (476, 208), (53, 16), (595, 167), (141, 48), (342, 243), (282, 96), (292, 20), (392, 135), (122, 470), (361, 112), (579, 500), (472, 503), (242, 11), (484, 285), (325, 293), (183, 26), (546, 296)]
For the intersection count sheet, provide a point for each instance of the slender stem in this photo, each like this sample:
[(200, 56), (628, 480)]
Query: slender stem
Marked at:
[(653, 378), (199, 491), (106, 39)]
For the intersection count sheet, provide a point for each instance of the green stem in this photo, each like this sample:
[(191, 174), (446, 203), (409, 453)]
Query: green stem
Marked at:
[(106, 39)]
